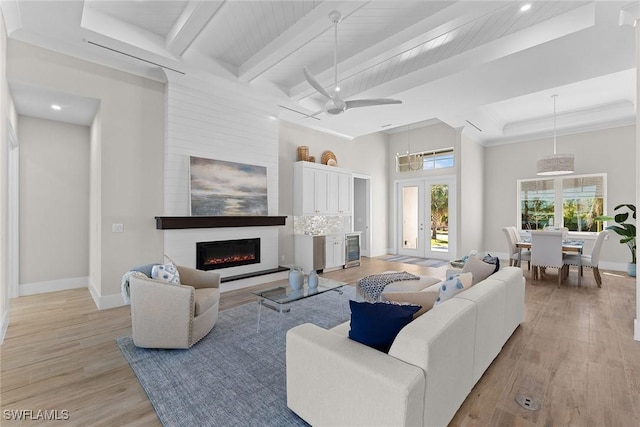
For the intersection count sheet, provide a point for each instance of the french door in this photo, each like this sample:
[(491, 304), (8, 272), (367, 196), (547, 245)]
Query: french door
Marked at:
[(426, 217)]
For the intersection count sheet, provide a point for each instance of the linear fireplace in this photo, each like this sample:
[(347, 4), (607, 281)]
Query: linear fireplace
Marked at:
[(227, 253)]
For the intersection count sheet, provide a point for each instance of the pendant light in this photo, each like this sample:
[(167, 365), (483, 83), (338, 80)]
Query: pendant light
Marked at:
[(555, 164)]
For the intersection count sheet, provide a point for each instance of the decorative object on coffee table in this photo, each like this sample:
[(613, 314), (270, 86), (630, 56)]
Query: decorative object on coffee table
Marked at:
[(296, 278), (328, 158), (313, 280)]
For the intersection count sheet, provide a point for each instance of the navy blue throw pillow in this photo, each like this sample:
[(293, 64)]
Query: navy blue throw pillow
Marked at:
[(377, 324), (492, 260)]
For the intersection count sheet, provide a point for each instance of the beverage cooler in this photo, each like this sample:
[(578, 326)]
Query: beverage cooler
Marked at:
[(352, 249)]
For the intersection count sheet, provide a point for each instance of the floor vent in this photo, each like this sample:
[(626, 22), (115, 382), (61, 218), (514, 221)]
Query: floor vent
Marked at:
[(528, 403)]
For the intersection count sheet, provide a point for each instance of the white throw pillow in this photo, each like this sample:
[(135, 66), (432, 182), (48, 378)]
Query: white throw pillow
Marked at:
[(480, 269), (166, 273), (448, 289), (465, 278)]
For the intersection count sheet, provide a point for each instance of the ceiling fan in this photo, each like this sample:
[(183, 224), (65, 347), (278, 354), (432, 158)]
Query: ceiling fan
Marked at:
[(336, 105)]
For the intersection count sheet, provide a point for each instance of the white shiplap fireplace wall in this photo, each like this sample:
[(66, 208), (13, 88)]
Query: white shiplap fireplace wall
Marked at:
[(224, 121)]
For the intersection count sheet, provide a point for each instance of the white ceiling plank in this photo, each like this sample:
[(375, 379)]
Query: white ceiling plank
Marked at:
[(141, 41), (295, 37), (436, 25), (190, 23), (479, 61)]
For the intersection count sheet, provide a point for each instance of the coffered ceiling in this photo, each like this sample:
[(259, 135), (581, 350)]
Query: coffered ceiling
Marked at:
[(489, 66)]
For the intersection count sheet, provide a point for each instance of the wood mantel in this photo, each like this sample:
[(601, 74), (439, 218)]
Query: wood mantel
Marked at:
[(183, 222)]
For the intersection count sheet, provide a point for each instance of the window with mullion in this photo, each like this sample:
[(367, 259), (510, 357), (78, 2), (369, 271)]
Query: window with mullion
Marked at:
[(573, 202)]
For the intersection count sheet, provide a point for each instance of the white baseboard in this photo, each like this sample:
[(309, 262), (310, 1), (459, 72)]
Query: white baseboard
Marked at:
[(52, 286), (636, 329), (252, 281), (105, 302), (5, 324)]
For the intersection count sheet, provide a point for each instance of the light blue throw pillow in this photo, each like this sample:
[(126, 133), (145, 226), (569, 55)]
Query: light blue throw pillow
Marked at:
[(448, 289), (166, 273)]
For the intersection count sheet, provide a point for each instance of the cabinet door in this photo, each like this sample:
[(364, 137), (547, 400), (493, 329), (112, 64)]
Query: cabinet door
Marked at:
[(334, 252), (339, 253), (321, 185), (345, 185), (333, 194), (308, 191)]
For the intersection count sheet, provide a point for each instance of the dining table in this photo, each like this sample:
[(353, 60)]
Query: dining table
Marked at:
[(568, 245)]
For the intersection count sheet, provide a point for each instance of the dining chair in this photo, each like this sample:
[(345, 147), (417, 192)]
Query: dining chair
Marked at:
[(512, 236), (546, 252), (591, 260)]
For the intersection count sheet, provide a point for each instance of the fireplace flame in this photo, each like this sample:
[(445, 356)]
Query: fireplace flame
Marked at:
[(228, 259)]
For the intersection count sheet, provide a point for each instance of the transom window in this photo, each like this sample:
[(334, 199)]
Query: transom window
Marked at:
[(426, 160), (572, 202)]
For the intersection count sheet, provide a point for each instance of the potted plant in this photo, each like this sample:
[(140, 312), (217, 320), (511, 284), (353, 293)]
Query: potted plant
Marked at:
[(628, 232)]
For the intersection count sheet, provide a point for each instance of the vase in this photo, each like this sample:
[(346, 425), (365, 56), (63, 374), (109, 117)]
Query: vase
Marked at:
[(296, 278), (313, 280), (631, 269)]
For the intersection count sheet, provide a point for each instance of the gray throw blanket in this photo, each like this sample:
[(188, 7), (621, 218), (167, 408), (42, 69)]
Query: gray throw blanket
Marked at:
[(124, 283), (371, 287)]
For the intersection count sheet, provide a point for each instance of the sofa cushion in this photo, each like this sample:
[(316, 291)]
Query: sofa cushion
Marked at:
[(166, 273), (377, 324), (205, 298), (425, 299), (448, 289), (411, 285), (480, 269)]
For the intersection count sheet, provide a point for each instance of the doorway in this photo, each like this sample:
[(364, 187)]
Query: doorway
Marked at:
[(426, 217), (362, 211)]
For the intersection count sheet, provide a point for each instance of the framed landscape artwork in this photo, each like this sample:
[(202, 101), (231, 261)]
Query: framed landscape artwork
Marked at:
[(220, 188)]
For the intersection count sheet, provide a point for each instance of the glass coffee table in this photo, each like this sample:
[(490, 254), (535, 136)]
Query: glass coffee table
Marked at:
[(278, 297)]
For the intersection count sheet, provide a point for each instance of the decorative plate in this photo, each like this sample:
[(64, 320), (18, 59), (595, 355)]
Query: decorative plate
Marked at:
[(328, 158)]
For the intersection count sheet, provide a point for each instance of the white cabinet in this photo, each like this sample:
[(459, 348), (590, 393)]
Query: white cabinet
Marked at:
[(321, 190), (345, 193), (315, 190), (334, 251)]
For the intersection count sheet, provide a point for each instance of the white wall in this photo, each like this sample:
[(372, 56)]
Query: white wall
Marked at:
[(609, 150), (366, 155), (4, 183), (95, 203), (471, 193), (131, 155), (220, 120), (54, 202)]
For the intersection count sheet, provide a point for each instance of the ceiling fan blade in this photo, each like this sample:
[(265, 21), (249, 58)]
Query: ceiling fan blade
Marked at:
[(371, 102), (314, 83)]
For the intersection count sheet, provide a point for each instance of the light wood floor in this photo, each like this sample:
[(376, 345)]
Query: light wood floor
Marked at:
[(574, 354)]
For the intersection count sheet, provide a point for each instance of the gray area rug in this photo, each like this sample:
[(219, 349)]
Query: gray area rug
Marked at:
[(426, 262), (235, 376)]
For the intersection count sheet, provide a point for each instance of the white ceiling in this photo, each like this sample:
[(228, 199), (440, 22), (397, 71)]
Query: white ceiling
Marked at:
[(484, 65)]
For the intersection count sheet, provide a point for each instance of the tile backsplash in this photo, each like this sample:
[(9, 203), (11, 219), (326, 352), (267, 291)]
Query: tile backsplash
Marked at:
[(321, 224)]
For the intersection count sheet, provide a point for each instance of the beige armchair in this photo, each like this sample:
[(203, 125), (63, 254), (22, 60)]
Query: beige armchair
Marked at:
[(174, 316)]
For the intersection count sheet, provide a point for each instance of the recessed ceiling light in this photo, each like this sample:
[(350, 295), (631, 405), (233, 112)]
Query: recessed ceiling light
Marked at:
[(525, 7), (56, 107)]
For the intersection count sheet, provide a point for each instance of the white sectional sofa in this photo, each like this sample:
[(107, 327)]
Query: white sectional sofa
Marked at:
[(432, 366)]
